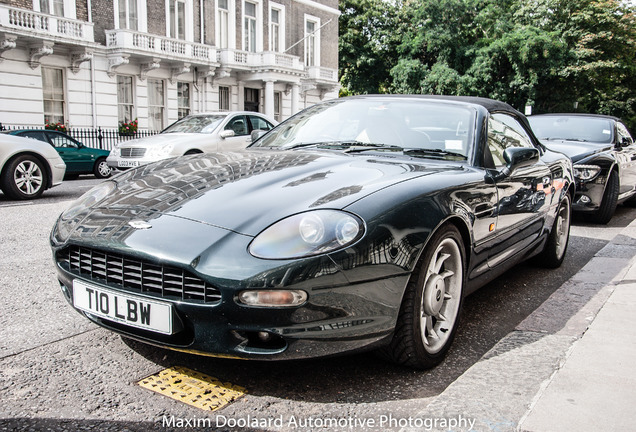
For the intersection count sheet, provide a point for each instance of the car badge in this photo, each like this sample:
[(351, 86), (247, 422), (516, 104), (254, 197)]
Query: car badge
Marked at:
[(140, 224)]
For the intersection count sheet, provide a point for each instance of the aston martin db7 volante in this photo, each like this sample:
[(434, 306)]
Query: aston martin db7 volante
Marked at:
[(360, 223)]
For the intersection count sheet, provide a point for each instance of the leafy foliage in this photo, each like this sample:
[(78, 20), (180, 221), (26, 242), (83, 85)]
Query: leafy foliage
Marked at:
[(556, 55)]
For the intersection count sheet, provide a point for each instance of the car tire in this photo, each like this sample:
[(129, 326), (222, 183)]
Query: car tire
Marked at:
[(101, 169), (24, 177), (608, 205), (553, 254), (430, 309)]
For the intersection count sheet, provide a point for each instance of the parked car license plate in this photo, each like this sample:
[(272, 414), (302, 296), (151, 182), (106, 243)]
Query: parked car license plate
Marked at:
[(127, 164), (123, 308)]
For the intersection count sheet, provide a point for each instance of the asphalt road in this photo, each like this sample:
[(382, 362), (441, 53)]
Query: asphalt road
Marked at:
[(60, 372)]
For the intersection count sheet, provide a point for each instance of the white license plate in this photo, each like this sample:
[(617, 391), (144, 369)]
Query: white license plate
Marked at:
[(123, 308), (127, 164)]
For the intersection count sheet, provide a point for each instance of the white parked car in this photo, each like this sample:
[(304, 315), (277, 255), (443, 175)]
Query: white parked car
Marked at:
[(196, 133), (28, 167)]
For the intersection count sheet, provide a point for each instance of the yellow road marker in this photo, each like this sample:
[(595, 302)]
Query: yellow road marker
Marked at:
[(193, 388)]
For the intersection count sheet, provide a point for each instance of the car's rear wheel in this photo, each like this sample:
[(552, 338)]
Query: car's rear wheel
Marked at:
[(430, 309), (608, 205), (101, 169), (24, 178), (557, 244)]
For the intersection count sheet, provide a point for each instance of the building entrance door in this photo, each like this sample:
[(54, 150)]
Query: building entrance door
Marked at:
[(252, 98)]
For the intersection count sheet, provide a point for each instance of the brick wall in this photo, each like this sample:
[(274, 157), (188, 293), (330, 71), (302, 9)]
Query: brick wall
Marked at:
[(103, 19), (157, 17)]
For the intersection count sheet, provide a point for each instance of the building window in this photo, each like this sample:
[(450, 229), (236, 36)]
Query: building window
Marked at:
[(53, 7), (177, 13), (128, 14), (276, 29), (312, 41), (224, 98), (249, 26), (183, 99), (278, 97), (156, 104), (53, 95), (125, 99), (223, 18)]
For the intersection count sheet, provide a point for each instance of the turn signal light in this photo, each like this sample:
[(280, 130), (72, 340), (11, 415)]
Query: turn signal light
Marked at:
[(272, 298)]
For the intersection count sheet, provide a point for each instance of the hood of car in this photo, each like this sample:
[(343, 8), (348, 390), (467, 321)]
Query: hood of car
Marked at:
[(577, 150), (164, 139), (247, 191)]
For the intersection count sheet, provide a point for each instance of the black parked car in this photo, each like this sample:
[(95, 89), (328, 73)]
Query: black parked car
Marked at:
[(79, 159), (359, 223), (604, 157)]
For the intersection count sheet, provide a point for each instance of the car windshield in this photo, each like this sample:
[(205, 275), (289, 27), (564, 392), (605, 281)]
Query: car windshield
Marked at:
[(573, 128), (196, 124), (432, 128)]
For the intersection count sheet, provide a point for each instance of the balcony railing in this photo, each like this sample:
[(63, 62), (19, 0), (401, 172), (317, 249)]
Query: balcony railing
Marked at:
[(44, 25), (144, 43), (322, 73), (268, 60)]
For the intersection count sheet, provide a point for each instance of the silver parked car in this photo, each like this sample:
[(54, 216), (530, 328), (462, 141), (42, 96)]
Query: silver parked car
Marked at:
[(196, 133), (28, 167)]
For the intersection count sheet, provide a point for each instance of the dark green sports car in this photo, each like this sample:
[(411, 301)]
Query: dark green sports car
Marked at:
[(360, 223), (79, 159)]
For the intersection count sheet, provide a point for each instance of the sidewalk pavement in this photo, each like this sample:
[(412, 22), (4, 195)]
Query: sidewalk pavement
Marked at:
[(569, 366)]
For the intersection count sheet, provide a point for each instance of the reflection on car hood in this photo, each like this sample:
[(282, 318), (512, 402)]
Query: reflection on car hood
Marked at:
[(576, 150), (168, 138), (249, 190)]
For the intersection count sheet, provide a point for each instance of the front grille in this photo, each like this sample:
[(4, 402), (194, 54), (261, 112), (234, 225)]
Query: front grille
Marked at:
[(133, 152), (135, 275)]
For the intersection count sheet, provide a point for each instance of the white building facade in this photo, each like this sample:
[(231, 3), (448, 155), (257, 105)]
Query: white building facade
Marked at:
[(91, 63)]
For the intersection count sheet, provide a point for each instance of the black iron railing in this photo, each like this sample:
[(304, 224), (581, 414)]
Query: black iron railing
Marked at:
[(101, 138)]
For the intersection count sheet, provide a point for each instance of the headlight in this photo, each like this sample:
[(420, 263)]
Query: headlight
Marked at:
[(116, 151), (307, 234), (160, 152), (89, 199), (586, 172)]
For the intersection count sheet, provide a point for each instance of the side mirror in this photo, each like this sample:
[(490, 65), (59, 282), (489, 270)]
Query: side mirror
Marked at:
[(228, 133), (626, 142), (257, 133), (519, 157)]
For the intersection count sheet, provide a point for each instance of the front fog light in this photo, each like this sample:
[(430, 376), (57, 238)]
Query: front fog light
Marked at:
[(272, 298)]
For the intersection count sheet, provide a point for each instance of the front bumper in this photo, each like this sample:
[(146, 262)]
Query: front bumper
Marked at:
[(338, 317), (124, 163), (589, 195), (58, 169)]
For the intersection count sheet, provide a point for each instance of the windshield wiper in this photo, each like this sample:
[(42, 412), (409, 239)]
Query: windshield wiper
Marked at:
[(350, 146), (564, 139), (433, 152)]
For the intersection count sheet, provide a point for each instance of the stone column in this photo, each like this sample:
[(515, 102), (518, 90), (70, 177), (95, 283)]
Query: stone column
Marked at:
[(295, 90), (241, 96), (269, 98)]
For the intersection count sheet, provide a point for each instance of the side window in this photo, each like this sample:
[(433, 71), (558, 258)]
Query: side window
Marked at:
[(505, 131), (238, 125), (35, 135), (623, 133), (259, 123), (62, 141)]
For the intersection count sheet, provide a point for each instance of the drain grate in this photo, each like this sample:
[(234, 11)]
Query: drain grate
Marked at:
[(193, 388)]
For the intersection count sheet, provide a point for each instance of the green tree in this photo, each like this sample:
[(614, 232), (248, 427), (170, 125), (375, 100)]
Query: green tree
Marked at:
[(553, 54), (367, 45)]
